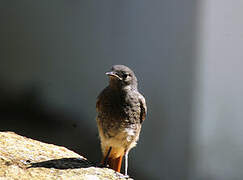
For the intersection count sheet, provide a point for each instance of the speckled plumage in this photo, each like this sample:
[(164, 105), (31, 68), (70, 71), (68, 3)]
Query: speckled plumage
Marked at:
[(121, 111)]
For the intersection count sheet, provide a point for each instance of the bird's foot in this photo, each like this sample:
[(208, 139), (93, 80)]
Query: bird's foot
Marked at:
[(122, 175), (102, 165)]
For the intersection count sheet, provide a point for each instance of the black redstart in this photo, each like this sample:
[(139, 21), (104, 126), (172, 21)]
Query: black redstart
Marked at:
[(121, 111)]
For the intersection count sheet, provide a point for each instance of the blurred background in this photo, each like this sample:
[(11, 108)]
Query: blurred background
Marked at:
[(186, 54)]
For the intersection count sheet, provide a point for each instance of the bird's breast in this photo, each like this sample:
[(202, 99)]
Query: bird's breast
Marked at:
[(123, 108)]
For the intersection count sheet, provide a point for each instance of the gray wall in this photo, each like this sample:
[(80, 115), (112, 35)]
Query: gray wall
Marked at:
[(187, 57), (218, 128)]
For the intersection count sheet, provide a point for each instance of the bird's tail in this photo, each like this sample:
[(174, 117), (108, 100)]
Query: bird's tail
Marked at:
[(116, 163)]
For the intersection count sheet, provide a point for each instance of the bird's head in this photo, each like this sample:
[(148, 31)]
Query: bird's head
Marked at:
[(122, 76)]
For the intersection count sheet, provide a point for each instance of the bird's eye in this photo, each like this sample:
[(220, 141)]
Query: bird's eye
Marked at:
[(125, 75)]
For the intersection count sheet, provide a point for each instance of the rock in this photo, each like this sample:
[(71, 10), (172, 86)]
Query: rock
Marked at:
[(23, 158)]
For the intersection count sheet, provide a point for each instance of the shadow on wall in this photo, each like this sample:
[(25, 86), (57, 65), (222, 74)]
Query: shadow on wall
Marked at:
[(27, 115)]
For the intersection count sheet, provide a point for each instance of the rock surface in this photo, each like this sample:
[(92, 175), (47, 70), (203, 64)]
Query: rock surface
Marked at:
[(22, 158)]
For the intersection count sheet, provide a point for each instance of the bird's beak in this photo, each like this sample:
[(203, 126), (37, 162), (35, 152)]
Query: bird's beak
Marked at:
[(113, 74)]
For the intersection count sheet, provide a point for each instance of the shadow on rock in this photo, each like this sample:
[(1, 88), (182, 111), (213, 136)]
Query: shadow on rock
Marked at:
[(63, 163)]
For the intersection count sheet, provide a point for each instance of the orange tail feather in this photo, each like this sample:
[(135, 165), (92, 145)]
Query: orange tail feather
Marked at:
[(116, 163)]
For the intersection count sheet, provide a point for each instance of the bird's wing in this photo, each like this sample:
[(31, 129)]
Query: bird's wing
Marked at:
[(98, 103), (143, 108), (100, 98)]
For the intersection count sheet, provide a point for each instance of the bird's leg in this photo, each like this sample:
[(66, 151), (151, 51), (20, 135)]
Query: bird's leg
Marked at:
[(105, 160), (126, 162)]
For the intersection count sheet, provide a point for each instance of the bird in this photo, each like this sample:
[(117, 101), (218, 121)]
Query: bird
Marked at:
[(121, 110)]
